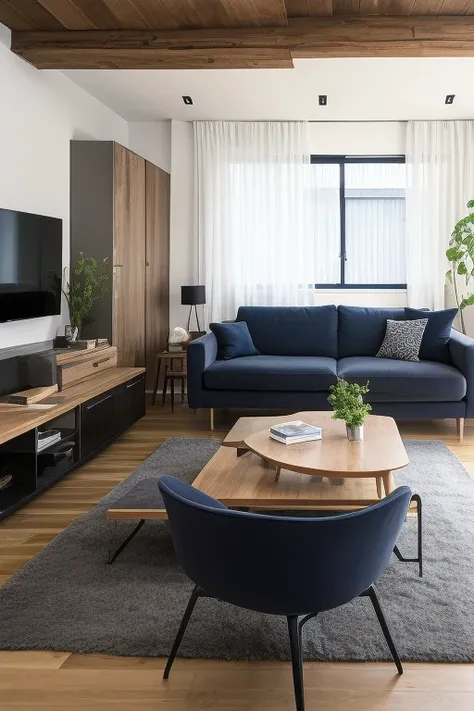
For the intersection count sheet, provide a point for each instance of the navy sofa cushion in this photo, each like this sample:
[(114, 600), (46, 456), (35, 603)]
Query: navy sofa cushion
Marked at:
[(404, 381), (274, 373), (361, 330), (435, 343), (233, 340), (292, 330)]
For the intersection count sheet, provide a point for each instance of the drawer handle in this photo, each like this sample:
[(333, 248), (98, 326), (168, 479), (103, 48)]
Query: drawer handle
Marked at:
[(104, 399), (131, 385), (98, 362)]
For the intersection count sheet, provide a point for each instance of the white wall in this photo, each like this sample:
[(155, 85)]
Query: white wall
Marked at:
[(351, 138), (152, 140), (39, 113)]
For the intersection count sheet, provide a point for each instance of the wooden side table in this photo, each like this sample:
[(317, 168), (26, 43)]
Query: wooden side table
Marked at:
[(175, 369)]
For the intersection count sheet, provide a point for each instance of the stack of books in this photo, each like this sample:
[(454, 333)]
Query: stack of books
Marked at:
[(48, 437), (295, 432)]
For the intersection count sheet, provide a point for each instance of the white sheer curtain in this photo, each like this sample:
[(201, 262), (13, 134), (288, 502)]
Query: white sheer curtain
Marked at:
[(256, 231), (440, 181)]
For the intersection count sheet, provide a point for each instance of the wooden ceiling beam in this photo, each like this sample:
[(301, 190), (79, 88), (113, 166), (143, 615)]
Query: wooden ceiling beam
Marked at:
[(354, 36)]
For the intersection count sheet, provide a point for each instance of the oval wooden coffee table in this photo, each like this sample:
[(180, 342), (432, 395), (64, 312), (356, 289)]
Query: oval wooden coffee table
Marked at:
[(334, 456)]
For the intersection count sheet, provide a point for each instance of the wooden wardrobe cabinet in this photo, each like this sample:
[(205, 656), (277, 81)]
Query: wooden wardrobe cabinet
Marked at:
[(120, 210)]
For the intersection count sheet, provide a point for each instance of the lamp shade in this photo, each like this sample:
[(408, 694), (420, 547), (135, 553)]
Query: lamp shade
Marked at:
[(192, 295)]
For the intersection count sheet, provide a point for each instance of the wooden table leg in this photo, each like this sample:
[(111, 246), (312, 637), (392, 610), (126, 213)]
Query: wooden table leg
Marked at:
[(165, 386), (277, 474), (157, 378), (378, 481), (387, 482), (172, 393)]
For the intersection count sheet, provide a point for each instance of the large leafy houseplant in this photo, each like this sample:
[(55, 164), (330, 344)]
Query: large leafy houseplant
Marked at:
[(86, 288), (461, 255), (347, 400)]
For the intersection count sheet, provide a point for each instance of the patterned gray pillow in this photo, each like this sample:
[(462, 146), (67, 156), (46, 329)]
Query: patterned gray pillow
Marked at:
[(403, 339)]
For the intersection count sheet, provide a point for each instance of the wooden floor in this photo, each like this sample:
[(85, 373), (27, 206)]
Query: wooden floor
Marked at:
[(55, 681)]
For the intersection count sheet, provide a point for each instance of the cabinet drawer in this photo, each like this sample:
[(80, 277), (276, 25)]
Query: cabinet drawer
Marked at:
[(130, 403), (97, 422), (71, 373)]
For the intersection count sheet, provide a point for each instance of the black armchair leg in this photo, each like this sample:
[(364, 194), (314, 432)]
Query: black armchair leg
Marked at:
[(294, 631), (196, 593), (419, 558), (383, 624)]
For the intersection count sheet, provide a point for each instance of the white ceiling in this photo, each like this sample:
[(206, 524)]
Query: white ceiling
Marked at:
[(357, 89)]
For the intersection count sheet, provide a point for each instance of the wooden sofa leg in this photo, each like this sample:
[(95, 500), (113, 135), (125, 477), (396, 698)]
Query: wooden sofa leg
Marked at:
[(460, 428), (211, 416)]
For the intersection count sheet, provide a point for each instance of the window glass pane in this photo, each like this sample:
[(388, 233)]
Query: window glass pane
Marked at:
[(326, 221), (375, 223)]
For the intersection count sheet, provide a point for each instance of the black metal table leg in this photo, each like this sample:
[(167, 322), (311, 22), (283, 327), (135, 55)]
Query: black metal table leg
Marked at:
[(419, 558), (126, 542)]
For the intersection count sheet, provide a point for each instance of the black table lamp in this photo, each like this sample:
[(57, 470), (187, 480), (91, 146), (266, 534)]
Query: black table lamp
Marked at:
[(192, 296)]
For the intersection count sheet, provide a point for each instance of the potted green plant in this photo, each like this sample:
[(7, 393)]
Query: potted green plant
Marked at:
[(461, 255), (86, 288), (347, 399)]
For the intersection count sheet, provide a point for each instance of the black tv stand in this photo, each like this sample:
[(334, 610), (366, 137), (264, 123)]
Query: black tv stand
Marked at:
[(88, 415)]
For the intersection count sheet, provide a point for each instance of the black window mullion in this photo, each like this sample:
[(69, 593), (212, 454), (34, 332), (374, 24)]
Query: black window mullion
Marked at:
[(342, 210)]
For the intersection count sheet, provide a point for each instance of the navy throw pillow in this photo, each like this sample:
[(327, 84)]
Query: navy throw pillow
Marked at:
[(435, 343), (233, 340)]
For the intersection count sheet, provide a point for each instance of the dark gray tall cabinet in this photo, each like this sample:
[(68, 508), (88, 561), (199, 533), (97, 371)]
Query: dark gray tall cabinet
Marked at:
[(120, 210)]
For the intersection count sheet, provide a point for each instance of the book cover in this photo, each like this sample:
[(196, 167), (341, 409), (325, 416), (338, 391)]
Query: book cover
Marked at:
[(295, 429)]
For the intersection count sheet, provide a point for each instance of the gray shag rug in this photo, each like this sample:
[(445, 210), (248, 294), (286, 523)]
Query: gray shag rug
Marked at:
[(67, 599)]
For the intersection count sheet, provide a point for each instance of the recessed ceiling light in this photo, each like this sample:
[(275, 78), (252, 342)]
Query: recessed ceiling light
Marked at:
[(187, 100), (449, 99)]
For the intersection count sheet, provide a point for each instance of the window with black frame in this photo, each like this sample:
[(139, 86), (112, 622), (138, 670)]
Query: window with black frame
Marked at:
[(358, 213)]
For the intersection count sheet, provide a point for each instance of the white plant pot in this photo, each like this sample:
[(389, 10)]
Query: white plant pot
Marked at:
[(355, 434)]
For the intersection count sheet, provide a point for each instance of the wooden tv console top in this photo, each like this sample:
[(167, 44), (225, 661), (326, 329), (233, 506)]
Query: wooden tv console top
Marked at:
[(18, 419)]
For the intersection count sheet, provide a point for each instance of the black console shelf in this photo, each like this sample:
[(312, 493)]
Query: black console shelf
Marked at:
[(85, 429)]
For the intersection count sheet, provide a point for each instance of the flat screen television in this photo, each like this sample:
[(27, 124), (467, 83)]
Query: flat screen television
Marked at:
[(30, 265)]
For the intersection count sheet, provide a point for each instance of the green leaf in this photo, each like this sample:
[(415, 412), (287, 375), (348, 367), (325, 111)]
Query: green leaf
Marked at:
[(462, 269), (448, 277), (453, 254), (468, 301)]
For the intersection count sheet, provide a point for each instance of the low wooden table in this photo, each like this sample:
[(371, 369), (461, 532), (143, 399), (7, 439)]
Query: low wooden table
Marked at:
[(365, 467)]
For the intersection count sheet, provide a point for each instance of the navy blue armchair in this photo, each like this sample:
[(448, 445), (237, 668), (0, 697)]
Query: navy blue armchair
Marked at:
[(280, 565)]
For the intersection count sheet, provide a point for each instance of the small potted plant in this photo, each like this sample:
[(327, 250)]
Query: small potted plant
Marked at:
[(86, 288), (348, 403)]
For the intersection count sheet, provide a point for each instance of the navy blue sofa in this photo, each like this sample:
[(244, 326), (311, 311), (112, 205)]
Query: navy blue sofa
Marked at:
[(303, 350)]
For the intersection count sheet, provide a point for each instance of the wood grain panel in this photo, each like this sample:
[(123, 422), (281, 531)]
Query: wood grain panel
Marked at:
[(309, 8), (373, 7), (16, 420), (128, 14), (345, 7), (248, 58), (12, 18), (456, 7), (263, 13), (128, 319), (157, 265), (427, 7), (400, 7), (27, 15), (69, 14)]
